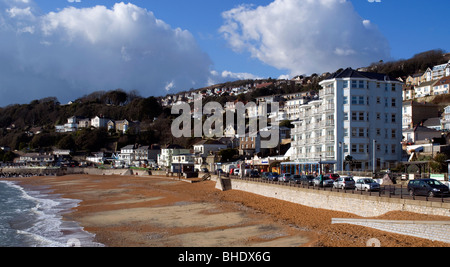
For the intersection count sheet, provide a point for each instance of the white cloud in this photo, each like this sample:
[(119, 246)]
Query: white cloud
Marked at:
[(305, 36), (79, 50), (226, 76)]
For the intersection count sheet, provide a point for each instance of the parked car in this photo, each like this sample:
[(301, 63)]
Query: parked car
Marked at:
[(323, 182), (254, 174), (273, 176), (205, 170), (367, 184), (332, 176), (265, 175), (285, 177), (295, 179), (427, 187), (344, 183), (236, 171), (307, 179)]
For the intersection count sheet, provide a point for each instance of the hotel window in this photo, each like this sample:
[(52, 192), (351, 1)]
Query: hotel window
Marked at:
[(394, 118), (354, 148), (394, 102), (354, 116), (361, 132), (378, 100), (345, 100), (354, 84), (378, 132), (393, 134), (393, 87), (345, 132), (361, 149), (361, 84), (361, 100), (361, 116), (354, 100), (345, 84), (393, 149), (378, 116), (345, 116)]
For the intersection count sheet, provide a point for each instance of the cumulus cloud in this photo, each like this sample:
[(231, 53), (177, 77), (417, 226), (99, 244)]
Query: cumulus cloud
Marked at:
[(305, 36), (79, 50), (225, 76)]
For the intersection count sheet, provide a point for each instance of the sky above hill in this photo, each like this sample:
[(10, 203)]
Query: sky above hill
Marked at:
[(69, 48)]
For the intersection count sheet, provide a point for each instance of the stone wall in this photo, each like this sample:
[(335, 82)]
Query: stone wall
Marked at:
[(433, 230), (362, 205)]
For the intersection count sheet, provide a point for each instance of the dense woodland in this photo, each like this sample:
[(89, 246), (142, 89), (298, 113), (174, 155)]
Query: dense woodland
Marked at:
[(19, 122)]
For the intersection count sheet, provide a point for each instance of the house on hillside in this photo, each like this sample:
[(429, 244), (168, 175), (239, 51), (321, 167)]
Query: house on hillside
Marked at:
[(99, 122), (442, 86), (445, 120), (414, 113), (438, 72), (425, 88), (416, 79), (420, 134)]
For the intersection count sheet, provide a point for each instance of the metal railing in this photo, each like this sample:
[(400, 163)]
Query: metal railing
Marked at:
[(386, 191)]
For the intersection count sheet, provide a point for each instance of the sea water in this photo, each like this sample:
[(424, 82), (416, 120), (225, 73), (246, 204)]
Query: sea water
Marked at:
[(34, 218)]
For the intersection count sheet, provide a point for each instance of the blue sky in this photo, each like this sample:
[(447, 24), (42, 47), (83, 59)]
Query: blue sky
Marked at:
[(411, 26), (72, 52)]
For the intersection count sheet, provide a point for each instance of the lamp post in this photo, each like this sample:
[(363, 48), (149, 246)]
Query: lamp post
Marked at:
[(341, 162), (320, 165), (374, 163)]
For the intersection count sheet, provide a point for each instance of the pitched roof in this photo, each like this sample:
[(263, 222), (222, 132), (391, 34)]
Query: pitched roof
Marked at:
[(208, 142), (442, 81), (351, 73), (429, 83)]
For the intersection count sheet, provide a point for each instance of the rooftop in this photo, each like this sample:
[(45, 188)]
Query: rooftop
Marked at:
[(351, 73)]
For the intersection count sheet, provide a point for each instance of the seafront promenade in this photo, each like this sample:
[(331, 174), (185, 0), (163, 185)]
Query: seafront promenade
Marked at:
[(143, 210)]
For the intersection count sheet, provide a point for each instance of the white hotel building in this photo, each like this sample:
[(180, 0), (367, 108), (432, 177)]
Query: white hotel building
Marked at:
[(354, 109)]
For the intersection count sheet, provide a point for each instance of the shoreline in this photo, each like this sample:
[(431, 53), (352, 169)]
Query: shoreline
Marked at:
[(150, 211)]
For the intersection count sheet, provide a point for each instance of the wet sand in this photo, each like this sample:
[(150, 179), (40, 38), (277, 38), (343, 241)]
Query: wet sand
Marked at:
[(128, 211)]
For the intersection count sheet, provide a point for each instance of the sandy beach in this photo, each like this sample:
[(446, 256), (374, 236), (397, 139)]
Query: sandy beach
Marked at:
[(128, 211)]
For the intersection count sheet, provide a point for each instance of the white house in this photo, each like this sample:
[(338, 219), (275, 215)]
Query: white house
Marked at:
[(425, 89), (445, 120), (99, 122), (205, 147), (442, 86), (126, 155), (438, 72), (165, 159), (356, 112)]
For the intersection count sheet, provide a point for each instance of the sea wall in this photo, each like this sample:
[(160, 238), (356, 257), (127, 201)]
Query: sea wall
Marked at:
[(69, 171), (433, 230), (362, 205)]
